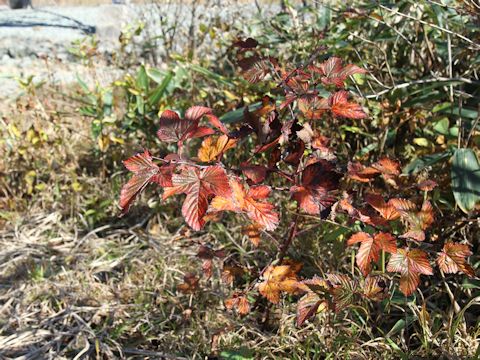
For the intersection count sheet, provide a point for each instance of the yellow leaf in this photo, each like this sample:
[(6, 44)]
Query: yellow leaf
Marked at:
[(212, 147), (40, 187), (103, 143), (30, 135), (13, 130), (77, 187), (230, 95), (421, 142), (116, 139)]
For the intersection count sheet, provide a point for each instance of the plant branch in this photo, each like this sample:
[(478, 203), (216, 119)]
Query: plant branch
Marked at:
[(423, 81)]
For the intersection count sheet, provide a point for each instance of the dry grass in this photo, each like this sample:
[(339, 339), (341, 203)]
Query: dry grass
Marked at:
[(110, 293)]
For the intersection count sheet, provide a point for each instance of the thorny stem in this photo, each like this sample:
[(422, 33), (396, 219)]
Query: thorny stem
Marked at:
[(288, 241)]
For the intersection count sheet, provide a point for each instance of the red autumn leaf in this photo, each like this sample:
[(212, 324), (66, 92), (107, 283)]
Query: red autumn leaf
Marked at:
[(229, 273), (343, 290), (255, 173), (418, 221), (316, 141), (313, 106), (410, 264), (256, 69), (370, 248), (335, 73), (358, 172), (208, 254), (198, 185), (360, 214), (260, 212), (340, 106), (387, 210), (308, 306), (452, 259), (427, 185), (318, 180), (174, 129), (248, 43), (145, 172), (207, 267), (195, 113), (190, 283), (314, 301), (387, 167)]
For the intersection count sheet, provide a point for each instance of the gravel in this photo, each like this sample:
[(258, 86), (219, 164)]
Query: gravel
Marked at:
[(33, 41), (37, 41)]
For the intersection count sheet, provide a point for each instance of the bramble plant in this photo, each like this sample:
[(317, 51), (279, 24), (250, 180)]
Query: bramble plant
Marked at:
[(389, 213)]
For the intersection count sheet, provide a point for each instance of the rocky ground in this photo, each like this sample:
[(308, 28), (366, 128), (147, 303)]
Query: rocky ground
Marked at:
[(38, 41)]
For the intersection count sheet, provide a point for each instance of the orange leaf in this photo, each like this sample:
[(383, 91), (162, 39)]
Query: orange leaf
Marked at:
[(145, 171), (358, 172), (249, 202), (340, 106), (387, 166), (370, 248), (229, 273), (335, 73), (313, 106), (387, 211), (418, 221), (198, 184), (253, 233), (213, 147), (239, 302), (279, 278), (375, 288), (410, 264), (452, 259)]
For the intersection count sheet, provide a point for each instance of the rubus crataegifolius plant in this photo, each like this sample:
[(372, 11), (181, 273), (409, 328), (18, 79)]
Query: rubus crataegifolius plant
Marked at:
[(292, 157)]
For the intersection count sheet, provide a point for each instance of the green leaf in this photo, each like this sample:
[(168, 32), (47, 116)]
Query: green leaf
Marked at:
[(237, 115), (157, 93), (83, 85), (442, 126), (471, 284), (449, 109), (421, 163), (156, 75), (211, 75), (395, 347), (465, 175), (238, 354), (356, 130), (142, 79), (399, 325)]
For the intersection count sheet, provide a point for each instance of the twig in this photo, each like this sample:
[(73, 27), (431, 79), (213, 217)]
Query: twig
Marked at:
[(447, 31), (474, 126), (291, 234), (423, 81)]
